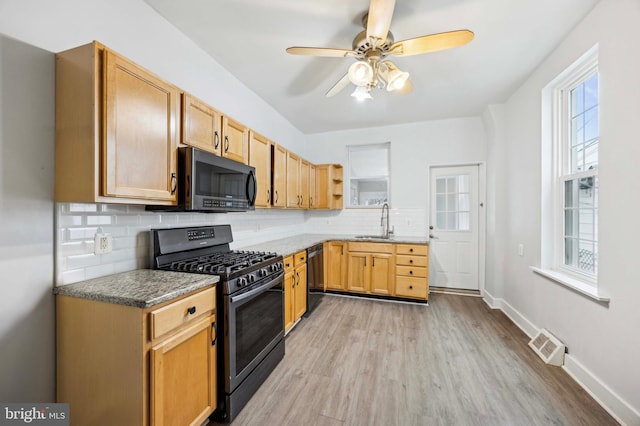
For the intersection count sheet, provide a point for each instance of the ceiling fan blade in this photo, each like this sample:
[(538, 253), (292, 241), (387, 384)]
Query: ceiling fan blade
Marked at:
[(341, 84), (431, 43), (379, 18), (321, 51)]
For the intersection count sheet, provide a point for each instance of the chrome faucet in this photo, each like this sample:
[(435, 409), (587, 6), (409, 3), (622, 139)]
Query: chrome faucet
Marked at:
[(386, 233)]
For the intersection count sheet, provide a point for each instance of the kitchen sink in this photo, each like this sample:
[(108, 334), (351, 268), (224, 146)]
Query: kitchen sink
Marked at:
[(371, 237)]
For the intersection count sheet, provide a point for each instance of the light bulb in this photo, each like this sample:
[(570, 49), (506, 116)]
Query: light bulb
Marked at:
[(360, 73), (361, 93)]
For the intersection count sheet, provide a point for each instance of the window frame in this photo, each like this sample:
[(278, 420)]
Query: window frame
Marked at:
[(579, 73), (351, 148)]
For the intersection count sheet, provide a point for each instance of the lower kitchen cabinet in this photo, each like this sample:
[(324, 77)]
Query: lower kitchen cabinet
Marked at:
[(122, 365), (335, 265), (370, 268), (412, 271), (295, 291)]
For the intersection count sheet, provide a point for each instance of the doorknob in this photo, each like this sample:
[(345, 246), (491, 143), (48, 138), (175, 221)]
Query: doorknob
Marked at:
[(430, 226)]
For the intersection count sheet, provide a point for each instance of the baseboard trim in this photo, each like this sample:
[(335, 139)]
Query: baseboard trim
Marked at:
[(624, 413), (619, 409)]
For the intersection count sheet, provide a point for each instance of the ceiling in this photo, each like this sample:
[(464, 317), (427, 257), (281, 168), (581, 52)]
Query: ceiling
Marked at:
[(249, 38)]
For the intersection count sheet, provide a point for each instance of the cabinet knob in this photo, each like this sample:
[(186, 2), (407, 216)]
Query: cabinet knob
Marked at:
[(410, 272), (410, 260), (411, 250), (191, 310), (410, 287)]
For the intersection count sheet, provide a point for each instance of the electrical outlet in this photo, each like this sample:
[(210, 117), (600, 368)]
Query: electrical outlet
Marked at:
[(520, 249), (102, 243)]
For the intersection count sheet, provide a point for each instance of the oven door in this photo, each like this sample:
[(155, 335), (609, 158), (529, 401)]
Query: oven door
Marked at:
[(255, 325)]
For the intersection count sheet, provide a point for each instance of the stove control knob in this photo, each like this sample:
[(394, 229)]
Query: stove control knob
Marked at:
[(251, 278), (242, 282), (262, 272)]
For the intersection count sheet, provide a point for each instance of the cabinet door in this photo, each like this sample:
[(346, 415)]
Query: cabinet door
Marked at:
[(303, 184), (235, 140), (289, 300), (381, 274), (140, 133), (322, 184), (183, 376), (301, 291), (336, 266), (279, 176), (312, 186), (359, 270), (200, 125), (260, 158), (293, 177)]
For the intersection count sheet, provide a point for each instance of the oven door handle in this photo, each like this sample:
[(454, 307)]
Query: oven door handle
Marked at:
[(257, 291)]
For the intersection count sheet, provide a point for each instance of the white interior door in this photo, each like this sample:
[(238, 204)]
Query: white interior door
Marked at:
[(454, 227)]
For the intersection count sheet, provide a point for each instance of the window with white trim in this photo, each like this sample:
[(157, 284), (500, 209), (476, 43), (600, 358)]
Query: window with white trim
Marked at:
[(368, 175), (576, 109)]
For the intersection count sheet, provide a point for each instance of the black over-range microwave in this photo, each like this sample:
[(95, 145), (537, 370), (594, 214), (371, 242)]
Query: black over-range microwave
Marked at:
[(210, 183)]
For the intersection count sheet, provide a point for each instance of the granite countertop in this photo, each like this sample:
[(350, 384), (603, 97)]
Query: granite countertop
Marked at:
[(291, 245), (141, 288)]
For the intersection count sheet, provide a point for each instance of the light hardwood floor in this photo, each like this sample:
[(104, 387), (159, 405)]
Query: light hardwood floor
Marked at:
[(454, 362)]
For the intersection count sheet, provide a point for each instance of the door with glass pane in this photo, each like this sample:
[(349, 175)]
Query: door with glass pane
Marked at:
[(454, 227)]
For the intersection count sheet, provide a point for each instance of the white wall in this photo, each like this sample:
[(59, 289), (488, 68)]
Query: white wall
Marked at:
[(603, 340), (414, 147), (27, 329)]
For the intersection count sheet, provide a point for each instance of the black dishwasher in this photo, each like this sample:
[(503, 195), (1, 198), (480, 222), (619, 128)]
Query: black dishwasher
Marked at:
[(315, 277)]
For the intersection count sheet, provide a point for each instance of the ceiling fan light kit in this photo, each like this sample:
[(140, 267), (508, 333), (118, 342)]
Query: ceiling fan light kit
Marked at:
[(372, 46)]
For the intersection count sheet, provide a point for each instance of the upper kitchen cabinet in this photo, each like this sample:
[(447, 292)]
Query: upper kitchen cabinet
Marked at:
[(329, 186), (116, 130), (206, 128), (235, 140), (260, 158), (201, 125), (279, 170)]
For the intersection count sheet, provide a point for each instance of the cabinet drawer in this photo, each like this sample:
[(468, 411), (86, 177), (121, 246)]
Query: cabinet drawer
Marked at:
[(411, 287), (416, 249), (288, 264), (411, 271), (300, 258), (371, 247), (174, 315), (411, 260)]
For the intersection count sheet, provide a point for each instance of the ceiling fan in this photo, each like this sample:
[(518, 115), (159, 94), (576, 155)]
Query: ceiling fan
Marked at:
[(371, 47)]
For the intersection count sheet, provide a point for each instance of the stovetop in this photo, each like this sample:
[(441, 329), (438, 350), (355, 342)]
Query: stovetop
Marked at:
[(225, 264), (205, 250)]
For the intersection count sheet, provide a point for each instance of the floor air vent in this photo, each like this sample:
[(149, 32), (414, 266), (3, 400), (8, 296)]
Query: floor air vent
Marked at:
[(550, 349)]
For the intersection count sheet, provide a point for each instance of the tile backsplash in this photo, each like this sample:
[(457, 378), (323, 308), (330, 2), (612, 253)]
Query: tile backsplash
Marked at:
[(129, 225)]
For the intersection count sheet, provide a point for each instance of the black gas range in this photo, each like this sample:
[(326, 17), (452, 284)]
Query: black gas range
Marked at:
[(250, 295)]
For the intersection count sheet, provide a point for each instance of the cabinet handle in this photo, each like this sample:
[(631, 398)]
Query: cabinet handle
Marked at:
[(365, 261), (268, 195), (174, 183), (298, 280), (310, 201), (216, 138), (277, 196), (191, 310), (373, 262), (226, 144), (215, 333)]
